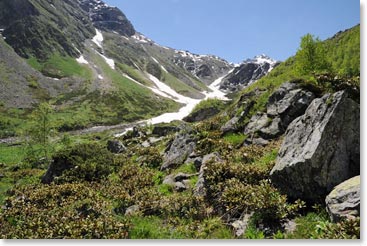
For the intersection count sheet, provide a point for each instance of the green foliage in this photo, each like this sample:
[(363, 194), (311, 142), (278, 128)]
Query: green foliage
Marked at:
[(235, 139), (57, 66), (60, 211), (89, 162), (209, 103), (150, 157), (343, 52), (38, 135), (346, 229), (311, 56)]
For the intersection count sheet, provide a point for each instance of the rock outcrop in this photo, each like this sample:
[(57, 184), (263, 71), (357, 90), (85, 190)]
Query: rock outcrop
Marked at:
[(320, 149), (344, 200), (178, 150), (202, 114), (283, 106)]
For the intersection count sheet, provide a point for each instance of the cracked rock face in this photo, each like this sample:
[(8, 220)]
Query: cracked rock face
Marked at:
[(320, 149)]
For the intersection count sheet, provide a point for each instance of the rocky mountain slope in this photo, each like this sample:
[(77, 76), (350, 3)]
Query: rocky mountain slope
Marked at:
[(78, 50), (279, 161)]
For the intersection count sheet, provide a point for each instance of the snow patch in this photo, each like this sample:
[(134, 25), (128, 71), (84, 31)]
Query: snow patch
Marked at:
[(98, 38), (163, 68), (100, 76), (82, 60), (109, 61)]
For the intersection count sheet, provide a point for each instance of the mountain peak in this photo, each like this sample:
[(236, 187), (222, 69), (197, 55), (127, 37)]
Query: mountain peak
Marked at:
[(107, 18)]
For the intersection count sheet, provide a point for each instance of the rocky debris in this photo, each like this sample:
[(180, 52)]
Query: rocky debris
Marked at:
[(178, 150), (256, 141), (257, 122), (240, 225), (179, 182), (202, 114), (135, 133), (284, 105), (320, 149), (344, 200), (199, 189), (150, 141), (197, 160), (2, 176), (164, 130), (132, 210), (115, 146)]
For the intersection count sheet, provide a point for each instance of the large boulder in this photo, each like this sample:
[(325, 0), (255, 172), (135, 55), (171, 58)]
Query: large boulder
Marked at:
[(178, 150), (320, 149), (344, 200)]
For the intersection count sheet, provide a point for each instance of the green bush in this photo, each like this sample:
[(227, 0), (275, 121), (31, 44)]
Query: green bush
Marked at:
[(89, 162), (60, 211)]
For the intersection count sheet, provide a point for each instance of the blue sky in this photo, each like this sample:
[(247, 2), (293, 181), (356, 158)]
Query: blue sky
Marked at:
[(238, 29)]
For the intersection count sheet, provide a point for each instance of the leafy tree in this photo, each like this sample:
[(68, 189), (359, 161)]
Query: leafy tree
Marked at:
[(311, 56), (39, 135)]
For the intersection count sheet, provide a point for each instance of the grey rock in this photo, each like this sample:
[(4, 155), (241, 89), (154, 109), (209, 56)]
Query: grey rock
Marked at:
[(181, 176), (179, 187), (320, 149), (132, 210), (231, 125), (199, 189), (240, 226), (275, 129), (164, 130), (197, 161), (257, 122), (202, 114), (145, 144), (256, 141), (344, 200), (115, 146), (178, 151), (169, 180)]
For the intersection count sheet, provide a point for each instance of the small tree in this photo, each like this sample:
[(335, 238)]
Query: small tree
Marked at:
[(311, 56), (39, 135)]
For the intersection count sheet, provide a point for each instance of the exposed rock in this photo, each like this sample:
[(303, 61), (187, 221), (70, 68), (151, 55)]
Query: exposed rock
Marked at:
[(344, 200), (196, 160), (177, 182), (231, 125), (202, 114), (132, 210), (179, 187), (256, 141), (107, 18), (164, 130), (240, 226), (288, 102), (320, 150), (248, 72), (178, 151), (115, 146), (199, 189), (257, 122), (2, 176), (169, 180), (181, 176), (284, 105)]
